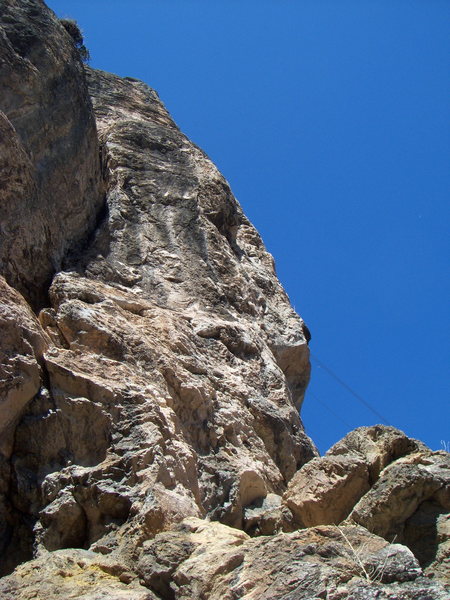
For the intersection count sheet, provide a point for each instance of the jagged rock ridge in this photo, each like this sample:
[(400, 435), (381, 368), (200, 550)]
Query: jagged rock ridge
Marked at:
[(158, 391)]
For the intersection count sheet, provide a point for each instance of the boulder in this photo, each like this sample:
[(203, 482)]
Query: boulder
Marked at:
[(377, 446), (326, 489), (410, 503)]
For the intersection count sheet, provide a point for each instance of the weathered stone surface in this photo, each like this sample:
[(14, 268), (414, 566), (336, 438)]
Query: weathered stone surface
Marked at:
[(205, 560), (214, 428), (377, 446), (392, 485), (177, 234), (149, 420), (103, 333), (326, 489), (22, 344), (209, 560), (176, 364), (72, 574), (410, 503), (50, 180), (401, 488), (268, 516)]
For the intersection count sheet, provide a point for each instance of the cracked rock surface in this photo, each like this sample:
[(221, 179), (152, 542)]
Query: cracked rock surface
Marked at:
[(169, 364), (152, 372)]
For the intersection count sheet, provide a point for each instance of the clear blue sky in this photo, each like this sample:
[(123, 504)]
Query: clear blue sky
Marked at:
[(331, 121)]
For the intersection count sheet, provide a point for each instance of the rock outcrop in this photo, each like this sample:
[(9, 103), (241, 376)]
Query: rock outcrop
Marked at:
[(153, 370), (392, 485), (170, 362), (205, 560)]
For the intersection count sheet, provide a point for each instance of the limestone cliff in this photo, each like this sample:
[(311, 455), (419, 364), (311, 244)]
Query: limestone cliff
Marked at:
[(153, 370)]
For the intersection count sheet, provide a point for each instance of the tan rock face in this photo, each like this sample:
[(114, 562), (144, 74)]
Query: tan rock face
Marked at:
[(378, 446), (176, 234), (150, 441), (207, 560), (174, 335), (176, 362), (73, 574), (392, 485), (326, 489), (410, 503), (204, 560)]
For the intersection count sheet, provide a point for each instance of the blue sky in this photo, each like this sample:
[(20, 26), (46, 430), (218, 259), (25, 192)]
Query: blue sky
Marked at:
[(331, 121)]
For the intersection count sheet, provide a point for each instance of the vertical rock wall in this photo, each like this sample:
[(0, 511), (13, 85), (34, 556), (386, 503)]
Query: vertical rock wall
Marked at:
[(152, 369), (51, 191), (170, 367)]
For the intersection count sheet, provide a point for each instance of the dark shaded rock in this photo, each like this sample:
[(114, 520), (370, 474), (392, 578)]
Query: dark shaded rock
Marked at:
[(22, 345), (50, 184), (267, 516)]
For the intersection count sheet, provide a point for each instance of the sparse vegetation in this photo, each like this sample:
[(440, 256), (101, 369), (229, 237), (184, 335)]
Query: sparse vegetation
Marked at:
[(372, 573), (72, 28)]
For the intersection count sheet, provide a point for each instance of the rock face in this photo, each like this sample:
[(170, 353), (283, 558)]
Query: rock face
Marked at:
[(22, 345), (51, 192), (205, 560), (392, 485), (168, 362), (326, 490), (153, 368), (410, 503)]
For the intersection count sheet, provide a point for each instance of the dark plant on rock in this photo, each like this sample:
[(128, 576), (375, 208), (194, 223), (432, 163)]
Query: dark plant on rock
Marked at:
[(72, 28)]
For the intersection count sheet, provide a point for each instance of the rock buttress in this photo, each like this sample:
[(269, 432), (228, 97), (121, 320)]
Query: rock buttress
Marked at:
[(171, 364)]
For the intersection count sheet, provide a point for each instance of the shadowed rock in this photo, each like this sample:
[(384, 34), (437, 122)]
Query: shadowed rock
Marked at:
[(50, 184)]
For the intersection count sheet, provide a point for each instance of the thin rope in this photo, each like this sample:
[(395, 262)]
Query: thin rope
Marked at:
[(313, 395), (349, 389)]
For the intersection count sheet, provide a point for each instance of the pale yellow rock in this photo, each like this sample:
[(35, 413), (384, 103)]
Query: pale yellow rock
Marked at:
[(325, 490), (75, 574)]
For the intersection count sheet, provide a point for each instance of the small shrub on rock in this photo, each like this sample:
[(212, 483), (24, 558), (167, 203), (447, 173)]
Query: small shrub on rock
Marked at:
[(72, 28)]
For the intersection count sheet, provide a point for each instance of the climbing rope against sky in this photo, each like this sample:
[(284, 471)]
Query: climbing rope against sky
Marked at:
[(349, 389), (330, 410)]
